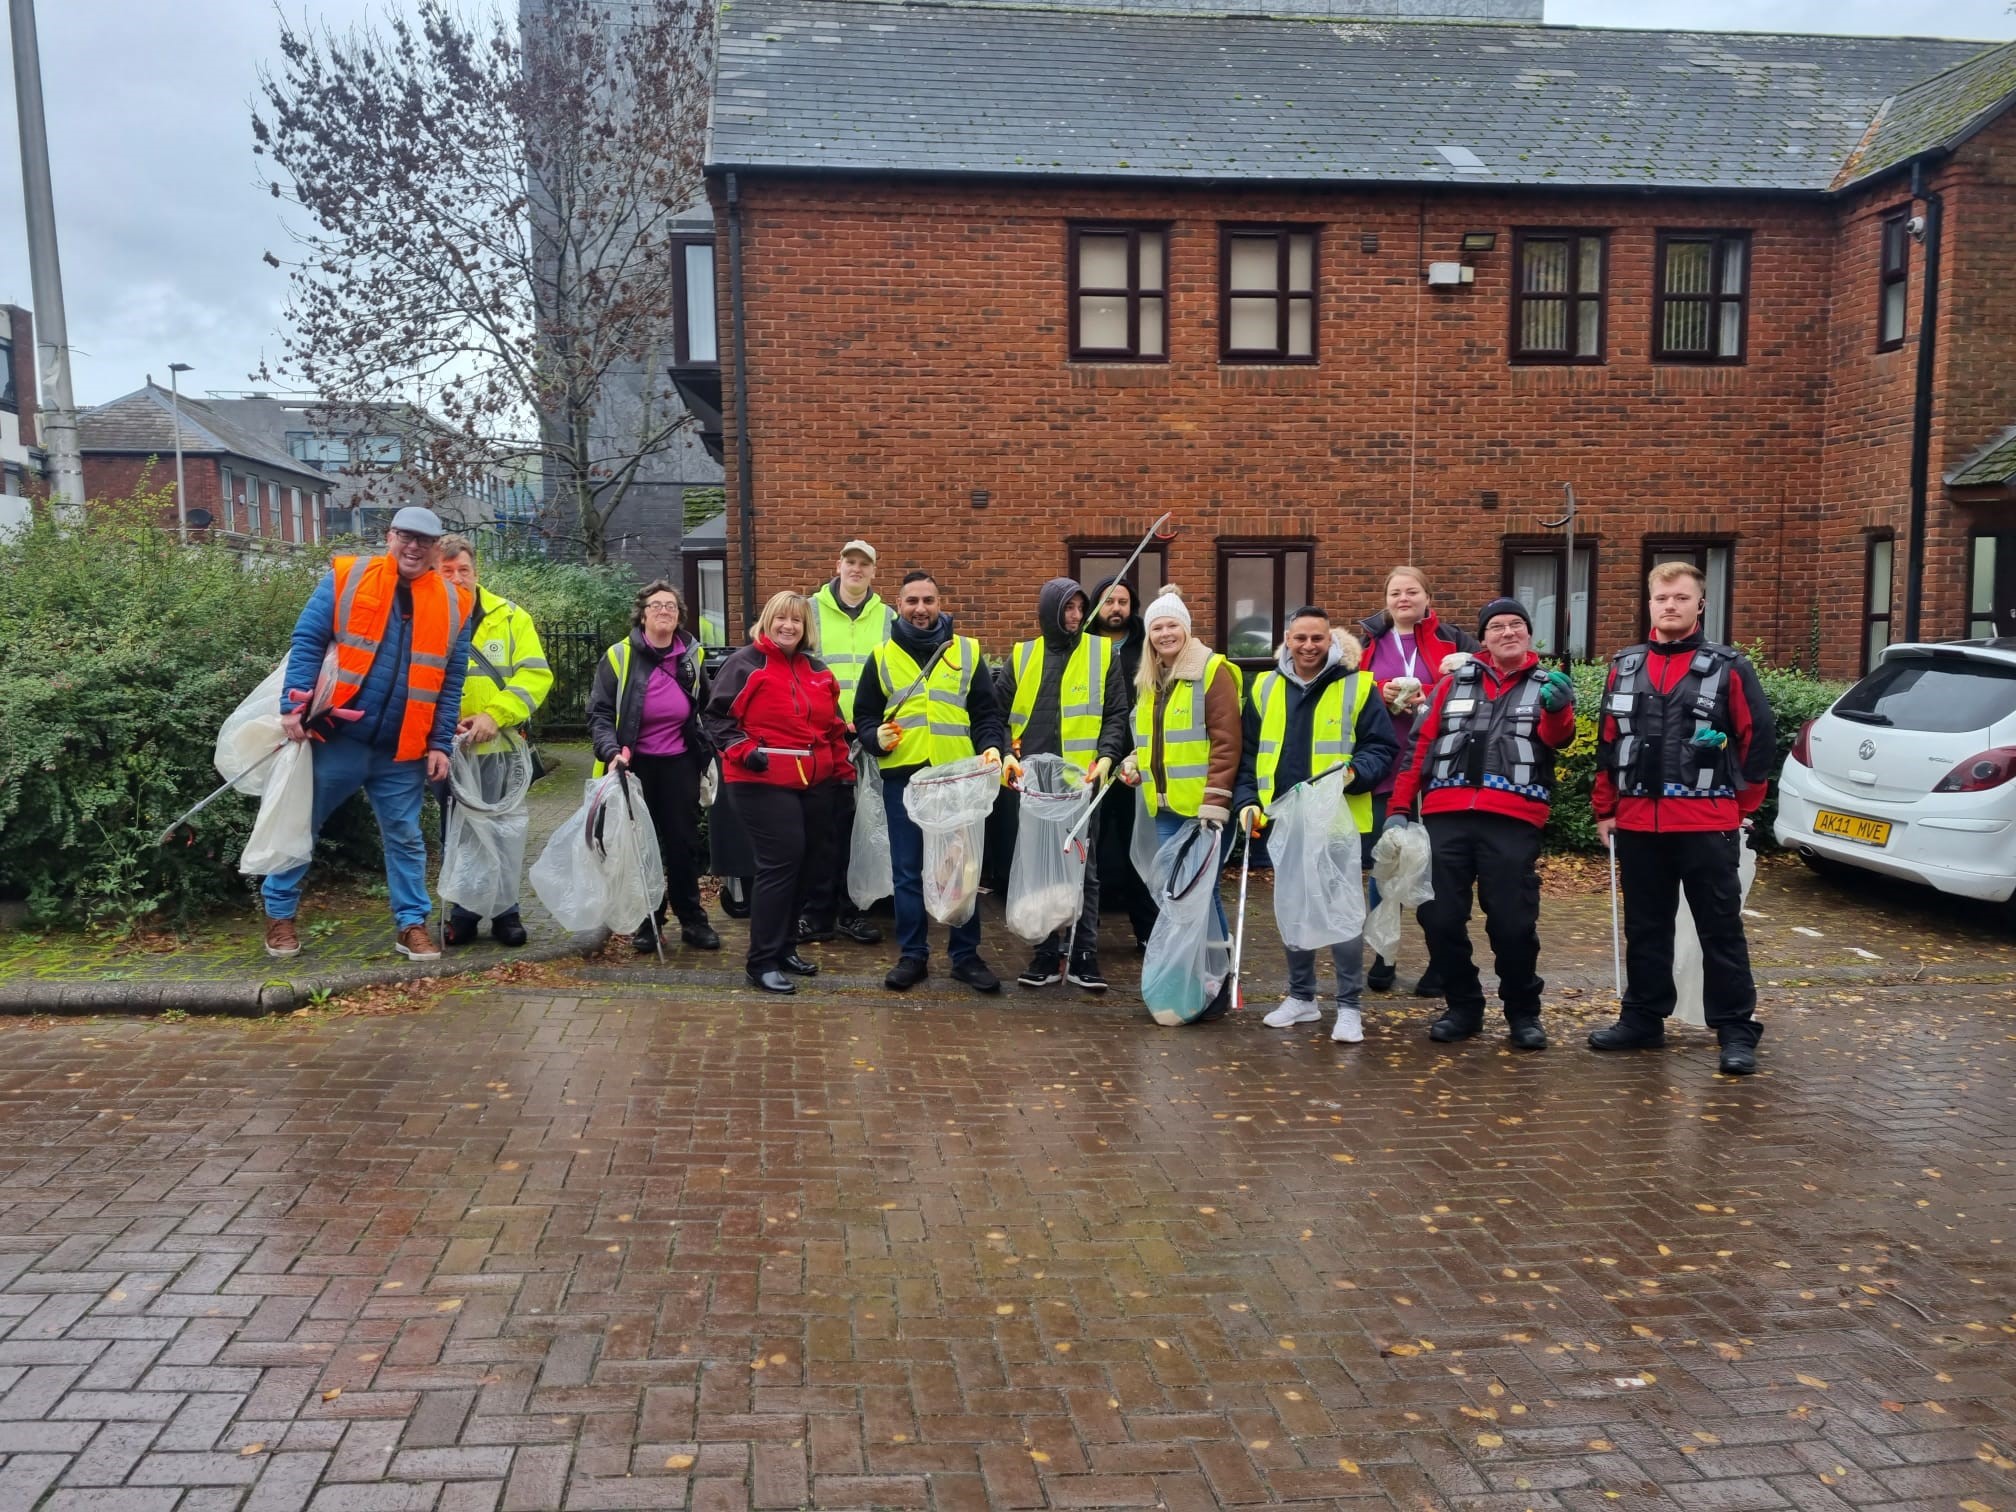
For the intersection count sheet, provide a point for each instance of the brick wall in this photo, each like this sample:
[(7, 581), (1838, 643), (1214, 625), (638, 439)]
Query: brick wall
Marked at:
[(907, 346)]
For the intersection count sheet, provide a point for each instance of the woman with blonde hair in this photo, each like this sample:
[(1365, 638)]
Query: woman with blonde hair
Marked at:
[(775, 718)]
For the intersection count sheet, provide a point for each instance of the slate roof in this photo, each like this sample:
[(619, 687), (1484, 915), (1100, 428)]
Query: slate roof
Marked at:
[(894, 88), (143, 422), (1994, 464), (1939, 112)]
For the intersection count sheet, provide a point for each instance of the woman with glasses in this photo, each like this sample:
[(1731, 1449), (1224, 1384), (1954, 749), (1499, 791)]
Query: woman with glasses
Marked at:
[(644, 714)]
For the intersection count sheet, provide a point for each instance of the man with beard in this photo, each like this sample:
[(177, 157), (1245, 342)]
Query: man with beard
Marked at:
[(1114, 620)]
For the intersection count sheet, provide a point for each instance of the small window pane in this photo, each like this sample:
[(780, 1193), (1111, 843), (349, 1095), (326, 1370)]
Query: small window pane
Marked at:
[(1729, 340), (1588, 330), (1732, 266), (1151, 259), (1295, 580), (1255, 264), (1686, 326), (701, 343), (1254, 324), (1981, 597), (1546, 267), (1251, 610), (1716, 617), (1879, 638), (1302, 263), (713, 606), (1151, 328), (1543, 325), (1534, 579), (1893, 312), (1102, 262), (1301, 328), (1687, 267), (1589, 279), (1102, 321), (1881, 554)]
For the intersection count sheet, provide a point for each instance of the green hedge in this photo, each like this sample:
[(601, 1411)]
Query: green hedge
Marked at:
[(1794, 696), (564, 593)]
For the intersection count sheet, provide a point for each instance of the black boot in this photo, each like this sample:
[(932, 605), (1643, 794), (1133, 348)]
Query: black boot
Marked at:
[(700, 936), (906, 973), (857, 928), (460, 929), (1430, 984), (1526, 1034), (508, 929), (772, 981), (797, 965), (974, 974), (1627, 1034), (1738, 1060), (1450, 1028), (1382, 976)]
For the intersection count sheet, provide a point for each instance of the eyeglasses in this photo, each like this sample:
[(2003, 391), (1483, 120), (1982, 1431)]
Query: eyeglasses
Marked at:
[(408, 538), (662, 606)]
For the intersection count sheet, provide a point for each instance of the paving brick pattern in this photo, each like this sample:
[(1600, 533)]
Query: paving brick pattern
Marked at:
[(669, 1245)]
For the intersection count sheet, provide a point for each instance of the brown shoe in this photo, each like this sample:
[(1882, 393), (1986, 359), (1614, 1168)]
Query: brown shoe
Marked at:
[(416, 944), (281, 938)]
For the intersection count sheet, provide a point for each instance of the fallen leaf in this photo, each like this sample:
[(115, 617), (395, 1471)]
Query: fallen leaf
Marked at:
[(332, 1393), (250, 1449), (1490, 1441), (1039, 1456), (1349, 1466), (1814, 1381), (679, 1462), (450, 1305)]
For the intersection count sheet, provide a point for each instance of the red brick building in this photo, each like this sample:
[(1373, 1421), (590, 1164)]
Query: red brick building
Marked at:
[(1013, 282)]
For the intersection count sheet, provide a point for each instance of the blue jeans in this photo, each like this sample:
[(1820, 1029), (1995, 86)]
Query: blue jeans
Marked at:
[(1348, 956), (395, 789), (906, 869), (1166, 824)]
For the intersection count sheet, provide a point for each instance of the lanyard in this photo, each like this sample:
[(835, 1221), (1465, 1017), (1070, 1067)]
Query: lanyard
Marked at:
[(1411, 656)]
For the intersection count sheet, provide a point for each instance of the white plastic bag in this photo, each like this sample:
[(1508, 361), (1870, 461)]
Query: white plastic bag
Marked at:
[(601, 869), (1319, 890), (869, 876), (1188, 959), (1046, 882), (488, 825), (1403, 868), (283, 836), (252, 731), (1144, 844), (950, 805), (1690, 1005)]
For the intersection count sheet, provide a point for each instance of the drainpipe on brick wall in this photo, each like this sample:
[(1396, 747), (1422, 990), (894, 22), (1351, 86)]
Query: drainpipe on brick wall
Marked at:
[(1921, 400), (745, 493)]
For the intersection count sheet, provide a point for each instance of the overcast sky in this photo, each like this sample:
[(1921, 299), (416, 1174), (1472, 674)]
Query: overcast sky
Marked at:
[(162, 222)]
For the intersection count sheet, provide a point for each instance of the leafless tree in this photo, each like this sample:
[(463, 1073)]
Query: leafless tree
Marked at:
[(488, 225)]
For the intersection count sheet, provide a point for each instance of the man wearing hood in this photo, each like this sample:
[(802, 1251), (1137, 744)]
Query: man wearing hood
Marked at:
[(913, 722), (1115, 621), (1065, 697), (1314, 712)]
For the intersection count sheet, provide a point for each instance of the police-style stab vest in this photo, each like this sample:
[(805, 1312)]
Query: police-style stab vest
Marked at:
[(936, 727), (1486, 742), (1653, 755), (1333, 734), (1081, 695)]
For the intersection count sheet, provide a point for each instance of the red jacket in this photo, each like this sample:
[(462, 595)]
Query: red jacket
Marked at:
[(782, 703), (1555, 730), (1753, 747), (1433, 643)]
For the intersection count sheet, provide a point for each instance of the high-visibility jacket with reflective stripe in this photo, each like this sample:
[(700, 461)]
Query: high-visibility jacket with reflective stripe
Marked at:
[(936, 727), (506, 637), (1332, 734), (846, 641), (1186, 744), (1081, 695), (365, 590)]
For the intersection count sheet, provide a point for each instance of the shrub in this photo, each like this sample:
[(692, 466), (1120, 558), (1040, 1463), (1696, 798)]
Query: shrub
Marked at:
[(572, 594)]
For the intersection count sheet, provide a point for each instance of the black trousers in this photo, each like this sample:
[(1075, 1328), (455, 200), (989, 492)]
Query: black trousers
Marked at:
[(1495, 854), (791, 832), (828, 900), (672, 790), (1654, 869)]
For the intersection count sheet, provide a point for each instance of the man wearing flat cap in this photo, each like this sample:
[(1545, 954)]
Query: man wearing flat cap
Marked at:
[(385, 639)]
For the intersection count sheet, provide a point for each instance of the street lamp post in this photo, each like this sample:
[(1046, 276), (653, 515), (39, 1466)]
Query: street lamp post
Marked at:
[(175, 372)]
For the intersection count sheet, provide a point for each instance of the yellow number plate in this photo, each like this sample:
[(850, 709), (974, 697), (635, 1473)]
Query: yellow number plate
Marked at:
[(1852, 827)]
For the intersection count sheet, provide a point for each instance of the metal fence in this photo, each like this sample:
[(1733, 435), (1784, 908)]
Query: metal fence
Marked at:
[(572, 649)]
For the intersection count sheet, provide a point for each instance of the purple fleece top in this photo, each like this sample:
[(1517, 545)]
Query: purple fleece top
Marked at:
[(661, 731), (1389, 660)]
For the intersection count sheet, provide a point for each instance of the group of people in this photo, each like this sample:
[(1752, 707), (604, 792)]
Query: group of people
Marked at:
[(1425, 724)]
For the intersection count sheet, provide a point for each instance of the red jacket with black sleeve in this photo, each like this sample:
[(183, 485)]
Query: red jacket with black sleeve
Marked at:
[(787, 705), (1650, 776), (1482, 786)]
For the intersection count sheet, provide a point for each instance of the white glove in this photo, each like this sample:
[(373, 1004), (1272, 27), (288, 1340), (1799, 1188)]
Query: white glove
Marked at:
[(1456, 661)]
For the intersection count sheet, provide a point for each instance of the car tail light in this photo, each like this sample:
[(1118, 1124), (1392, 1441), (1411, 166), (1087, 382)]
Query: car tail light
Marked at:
[(1802, 745), (1978, 773)]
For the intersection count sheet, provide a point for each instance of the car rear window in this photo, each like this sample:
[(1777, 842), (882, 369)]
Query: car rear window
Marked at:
[(1942, 694)]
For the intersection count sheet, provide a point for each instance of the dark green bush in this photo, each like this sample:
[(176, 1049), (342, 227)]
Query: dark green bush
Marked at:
[(571, 594)]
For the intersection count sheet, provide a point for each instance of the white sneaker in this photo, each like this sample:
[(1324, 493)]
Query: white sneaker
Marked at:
[(1291, 1012), (1349, 1028)]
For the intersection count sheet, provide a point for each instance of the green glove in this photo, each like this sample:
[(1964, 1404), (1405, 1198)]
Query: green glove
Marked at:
[(1557, 691), (1709, 740)]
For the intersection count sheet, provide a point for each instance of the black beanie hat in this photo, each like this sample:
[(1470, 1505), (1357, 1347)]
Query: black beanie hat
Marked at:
[(1500, 606)]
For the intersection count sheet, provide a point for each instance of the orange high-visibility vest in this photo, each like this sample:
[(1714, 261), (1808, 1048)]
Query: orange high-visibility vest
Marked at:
[(365, 587)]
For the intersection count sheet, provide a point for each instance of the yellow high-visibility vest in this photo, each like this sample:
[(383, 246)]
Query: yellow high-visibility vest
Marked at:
[(1332, 736), (936, 728), (1081, 695), (846, 641), (1186, 744)]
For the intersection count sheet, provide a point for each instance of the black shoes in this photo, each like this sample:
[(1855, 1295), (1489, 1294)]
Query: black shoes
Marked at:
[(1382, 976), (507, 929), (700, 936), (644, 940), (1624, 1035), (1738, 1060), (860, 931), (735, 897), (772, 981), (1084, 975), (1526, 1034), (1218, 1007), (906, 973), (1043, 970), (797, 965), (458, 931), (974, 974), (1430, 984), (1448, 1029), (811, 934)]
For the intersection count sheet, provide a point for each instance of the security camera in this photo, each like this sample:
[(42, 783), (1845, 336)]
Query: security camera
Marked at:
[(1915, 228)]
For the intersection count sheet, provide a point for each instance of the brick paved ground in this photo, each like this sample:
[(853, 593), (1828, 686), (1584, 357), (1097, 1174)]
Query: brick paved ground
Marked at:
[(661, 1243)]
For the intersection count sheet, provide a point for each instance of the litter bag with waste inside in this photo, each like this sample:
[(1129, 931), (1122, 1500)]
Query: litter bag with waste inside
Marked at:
[(283, 835), (488, 824), (1319, 892), (1690, 1004), (1188, 957), (868, 871), (950, 805), (1046, 885), (1401, 867), (601, 869)]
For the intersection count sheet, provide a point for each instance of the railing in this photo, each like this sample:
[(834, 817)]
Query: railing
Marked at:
[(572, 650)]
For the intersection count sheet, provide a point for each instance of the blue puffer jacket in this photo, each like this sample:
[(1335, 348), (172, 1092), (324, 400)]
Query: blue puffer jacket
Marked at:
[(383, 696)]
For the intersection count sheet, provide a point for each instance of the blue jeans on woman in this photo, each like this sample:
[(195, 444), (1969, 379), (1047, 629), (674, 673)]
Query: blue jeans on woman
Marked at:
[(1166, 824)]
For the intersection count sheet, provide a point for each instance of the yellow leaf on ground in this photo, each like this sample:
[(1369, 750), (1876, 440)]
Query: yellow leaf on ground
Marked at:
[(250, 1449), (332, 1393), (1814, 1381), (450, 1305), (1490, 1440), (1039, 1456), (679, 1462), (1349, 1466)]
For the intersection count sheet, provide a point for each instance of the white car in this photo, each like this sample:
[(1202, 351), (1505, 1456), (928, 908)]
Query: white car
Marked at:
[(1912, 772)]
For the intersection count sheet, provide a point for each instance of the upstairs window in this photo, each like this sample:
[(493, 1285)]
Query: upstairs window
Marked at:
[(1701, 309), (1267, 283), (695, 334), (1119, 293), (1893, 280), (1557, 303), (8, 400), (224, 492)]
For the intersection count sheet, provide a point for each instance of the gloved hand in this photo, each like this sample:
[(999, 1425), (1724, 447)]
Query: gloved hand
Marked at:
[(1211, 826), (755, 759), (1011, 769), (1099, 771), (1130, 771), (1557, 691), (1394, 824), (992, 758), (1709, 740), (1455, 662), (1252, 818), (888, 735), (295, 723)]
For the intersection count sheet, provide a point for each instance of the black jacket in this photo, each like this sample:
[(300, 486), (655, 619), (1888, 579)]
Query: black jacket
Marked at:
[(1044, 733), (1374, 749), (611, 728), (983, 710)]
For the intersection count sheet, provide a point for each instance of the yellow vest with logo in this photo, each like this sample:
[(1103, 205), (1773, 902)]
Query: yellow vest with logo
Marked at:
[(936, 728), (507, 640), (1081, 695), (846, 641), (1186, 744), (1333, 736)]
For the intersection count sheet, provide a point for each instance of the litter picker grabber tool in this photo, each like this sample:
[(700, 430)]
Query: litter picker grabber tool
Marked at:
[(168, 834), (1085, 819), (1128, 566), (1239, 929), (630, 809), (1616, 945), (918, 682)]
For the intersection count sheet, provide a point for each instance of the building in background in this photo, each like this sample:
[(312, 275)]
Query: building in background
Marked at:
[(21, 461)]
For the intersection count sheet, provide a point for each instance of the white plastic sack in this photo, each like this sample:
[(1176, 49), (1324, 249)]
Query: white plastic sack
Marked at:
[(252, 731), (1319, 889), (1144, 845), (1046, 883), (950, 805), (1402, 867), (869, 876), (1690, 1006), (1188, 959), (283, 836), (601, 869), (488, 826)]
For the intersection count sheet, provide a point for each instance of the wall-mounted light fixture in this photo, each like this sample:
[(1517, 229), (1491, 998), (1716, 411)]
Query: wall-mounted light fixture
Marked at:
[(1480, 241)]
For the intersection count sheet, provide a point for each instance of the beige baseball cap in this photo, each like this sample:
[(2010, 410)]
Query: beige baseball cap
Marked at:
[(861, 546)]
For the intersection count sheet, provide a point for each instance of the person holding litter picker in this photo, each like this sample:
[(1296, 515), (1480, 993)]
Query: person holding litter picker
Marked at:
[(1314, 713), (1065, 697)]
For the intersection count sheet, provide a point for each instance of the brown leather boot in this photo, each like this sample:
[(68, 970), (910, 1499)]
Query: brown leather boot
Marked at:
[(282, 939), (416, 944)]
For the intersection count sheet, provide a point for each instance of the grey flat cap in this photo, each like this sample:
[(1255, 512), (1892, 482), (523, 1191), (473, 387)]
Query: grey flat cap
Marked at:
[(416, 519)]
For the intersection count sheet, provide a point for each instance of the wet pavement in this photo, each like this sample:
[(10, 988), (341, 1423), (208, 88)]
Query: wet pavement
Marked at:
[(651, 1240)]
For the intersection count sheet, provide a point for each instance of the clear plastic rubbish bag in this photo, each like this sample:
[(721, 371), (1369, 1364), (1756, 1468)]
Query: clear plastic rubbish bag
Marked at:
[(488, 825), (601, 869), (1402, 867), (1188, 959), (869, 877), (1142, 848), (950, 805), (283, 836), (1319, 890), (251, 732), (1690, 1004), (1046, 884)]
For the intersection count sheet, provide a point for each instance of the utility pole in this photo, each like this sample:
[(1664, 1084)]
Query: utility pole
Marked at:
[(45, 269), (175, 372)]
